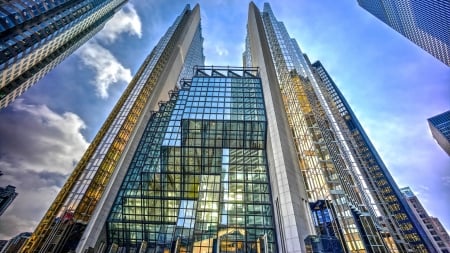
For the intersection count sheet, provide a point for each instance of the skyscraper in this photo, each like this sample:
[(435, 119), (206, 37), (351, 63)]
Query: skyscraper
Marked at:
[(7, 196), (440, 129), (344, 177), (435, 231), (37, 35), (177, 52), (263, 158), (2, 244), (426, 23), (14, 244)]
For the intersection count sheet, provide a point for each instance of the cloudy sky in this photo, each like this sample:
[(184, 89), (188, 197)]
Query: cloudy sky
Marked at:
[(392, 85)]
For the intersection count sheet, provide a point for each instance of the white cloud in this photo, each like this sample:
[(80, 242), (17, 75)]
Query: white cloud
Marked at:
[(36, 175), (221, 50), (108, 70), (57, 137), (25, 212), (125, 21)]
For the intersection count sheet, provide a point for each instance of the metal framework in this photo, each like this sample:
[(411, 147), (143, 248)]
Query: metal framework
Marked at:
[(198, 181), (352, 195), (396, 222), (68, 214)]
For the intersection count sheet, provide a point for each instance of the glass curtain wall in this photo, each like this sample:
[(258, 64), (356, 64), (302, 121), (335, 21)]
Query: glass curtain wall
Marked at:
[(198, 181), (37, 35), (342, 214)]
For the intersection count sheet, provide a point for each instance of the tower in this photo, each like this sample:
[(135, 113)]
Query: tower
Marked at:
[(38, 35), (440, 129), (7, 196), (424, 23), (349, 191), (14, 244), (75, 205), (263, 158), (433, 227)]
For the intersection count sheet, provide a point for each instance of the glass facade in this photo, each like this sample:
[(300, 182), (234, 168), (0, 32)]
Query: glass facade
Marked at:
[(266, 158), (425, 23), (394, 214), (326, 162), (440, 129), (63, 224), (37, 35), (353, 200), (7, 196), (198, 181)]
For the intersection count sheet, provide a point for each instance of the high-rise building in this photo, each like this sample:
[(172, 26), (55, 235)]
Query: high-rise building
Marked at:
[(345, 179), (2, 244), (7, 196), (440, 129), (37, 35), (268, 157), (15, 243), (175, 55), (435, 230), (425, 23), (440, 234)]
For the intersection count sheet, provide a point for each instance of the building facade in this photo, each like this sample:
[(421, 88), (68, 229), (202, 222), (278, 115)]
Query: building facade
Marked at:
[(344, 177), (440, 129), (425, 23), (15, 243), (435, 230), (7, 196), (199, 177), (2, 244), (65, 221), (263, 158), (35, 36)]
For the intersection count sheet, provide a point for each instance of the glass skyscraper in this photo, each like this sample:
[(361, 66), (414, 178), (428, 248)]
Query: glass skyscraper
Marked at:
[(7, 196), (15, 243), (268, 157), (426, 23), (349, 190), (37, 35), (440, 129), (178, 51)]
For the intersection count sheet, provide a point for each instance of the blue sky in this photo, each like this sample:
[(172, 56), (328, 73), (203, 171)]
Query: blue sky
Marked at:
[(392, 85)]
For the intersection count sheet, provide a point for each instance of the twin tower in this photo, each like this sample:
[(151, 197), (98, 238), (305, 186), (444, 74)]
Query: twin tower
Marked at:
[(263, 158)]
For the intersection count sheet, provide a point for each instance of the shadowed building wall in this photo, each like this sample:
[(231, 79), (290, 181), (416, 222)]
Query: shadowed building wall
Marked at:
[(35, 36), (80, 199)]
